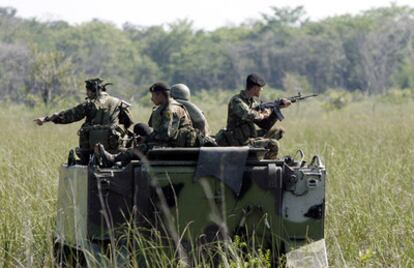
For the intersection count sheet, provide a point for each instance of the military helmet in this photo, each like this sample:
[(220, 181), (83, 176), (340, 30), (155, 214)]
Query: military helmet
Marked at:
[(180, 91)]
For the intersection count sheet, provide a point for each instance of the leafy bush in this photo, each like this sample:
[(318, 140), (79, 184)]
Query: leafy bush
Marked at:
[(294, 83), (336, 99), (397, 96)]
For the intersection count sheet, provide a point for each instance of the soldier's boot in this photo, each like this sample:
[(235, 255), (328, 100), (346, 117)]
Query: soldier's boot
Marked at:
[(71, 158), (105, 158), (224, 138), (209, 142), (204, 140), (84, 155), (273, 147)]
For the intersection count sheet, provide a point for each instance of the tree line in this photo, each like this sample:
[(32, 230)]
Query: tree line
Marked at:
[(369, 52)]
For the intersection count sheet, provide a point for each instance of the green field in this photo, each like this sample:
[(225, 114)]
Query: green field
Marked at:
[(367, 147)]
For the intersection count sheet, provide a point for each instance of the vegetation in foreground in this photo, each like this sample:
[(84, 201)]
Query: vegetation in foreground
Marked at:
[(367, 147)]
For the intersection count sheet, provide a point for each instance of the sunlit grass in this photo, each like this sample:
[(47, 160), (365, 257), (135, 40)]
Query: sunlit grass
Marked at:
[(367, 149)]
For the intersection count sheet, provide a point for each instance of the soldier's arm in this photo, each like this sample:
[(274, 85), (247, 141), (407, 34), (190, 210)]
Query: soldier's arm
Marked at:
[(244, 112), (167, 128), (150, 119), (125, 117), (71, 115)]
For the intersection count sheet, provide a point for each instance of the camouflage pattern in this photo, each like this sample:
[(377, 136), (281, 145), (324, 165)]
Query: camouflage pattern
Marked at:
[(246, 126), (106, 121), (172, 126), (242, 117)]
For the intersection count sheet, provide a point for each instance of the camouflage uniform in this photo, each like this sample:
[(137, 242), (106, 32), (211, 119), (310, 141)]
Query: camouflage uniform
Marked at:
[(245, 126), (172, 126), (104, 116)]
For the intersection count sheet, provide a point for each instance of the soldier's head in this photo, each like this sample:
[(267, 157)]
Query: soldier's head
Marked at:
[(254, 84), (141, 132), (160, 93), (181, 92), (93, 87), (142, 129)]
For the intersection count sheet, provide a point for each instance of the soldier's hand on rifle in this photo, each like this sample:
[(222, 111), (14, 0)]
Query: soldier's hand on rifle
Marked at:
[(265, 113), (284, 103)]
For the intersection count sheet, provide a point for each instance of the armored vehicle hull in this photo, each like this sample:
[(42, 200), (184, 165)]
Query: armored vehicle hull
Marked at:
[(203, 194)]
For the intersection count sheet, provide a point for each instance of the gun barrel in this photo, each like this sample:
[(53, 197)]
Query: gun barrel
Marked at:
[(300, 97)]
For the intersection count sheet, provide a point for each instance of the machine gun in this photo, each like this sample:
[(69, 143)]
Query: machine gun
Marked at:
[(276, 104)]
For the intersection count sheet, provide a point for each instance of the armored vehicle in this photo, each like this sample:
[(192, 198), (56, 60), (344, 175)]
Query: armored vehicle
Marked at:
[(205, 194)]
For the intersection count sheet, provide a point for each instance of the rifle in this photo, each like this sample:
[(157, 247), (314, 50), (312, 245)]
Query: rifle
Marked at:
[(276, 104)]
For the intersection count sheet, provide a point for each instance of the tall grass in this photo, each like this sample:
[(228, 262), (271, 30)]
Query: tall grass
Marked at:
[(367, 147)]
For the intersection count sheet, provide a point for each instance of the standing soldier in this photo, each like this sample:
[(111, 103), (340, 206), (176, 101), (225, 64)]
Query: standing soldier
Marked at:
[(107, 119), (248, 126)]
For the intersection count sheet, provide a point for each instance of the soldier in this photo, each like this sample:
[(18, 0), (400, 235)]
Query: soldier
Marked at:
[(107, 119), (246, 125), (171, 127), (170, 121), (181, 93), (141, 132)]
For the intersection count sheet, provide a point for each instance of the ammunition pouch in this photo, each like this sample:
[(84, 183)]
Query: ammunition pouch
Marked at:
[(107, 135), (221, 138), (244, 132), (237, 136), (226, 138)]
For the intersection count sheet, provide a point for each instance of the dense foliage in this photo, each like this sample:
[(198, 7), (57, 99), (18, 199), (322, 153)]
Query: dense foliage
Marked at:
[(371, 52)]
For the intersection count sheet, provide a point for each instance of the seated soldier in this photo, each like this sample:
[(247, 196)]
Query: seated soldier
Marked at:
[(181, 93), (171, 127), (141, 132), (248, 126)]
